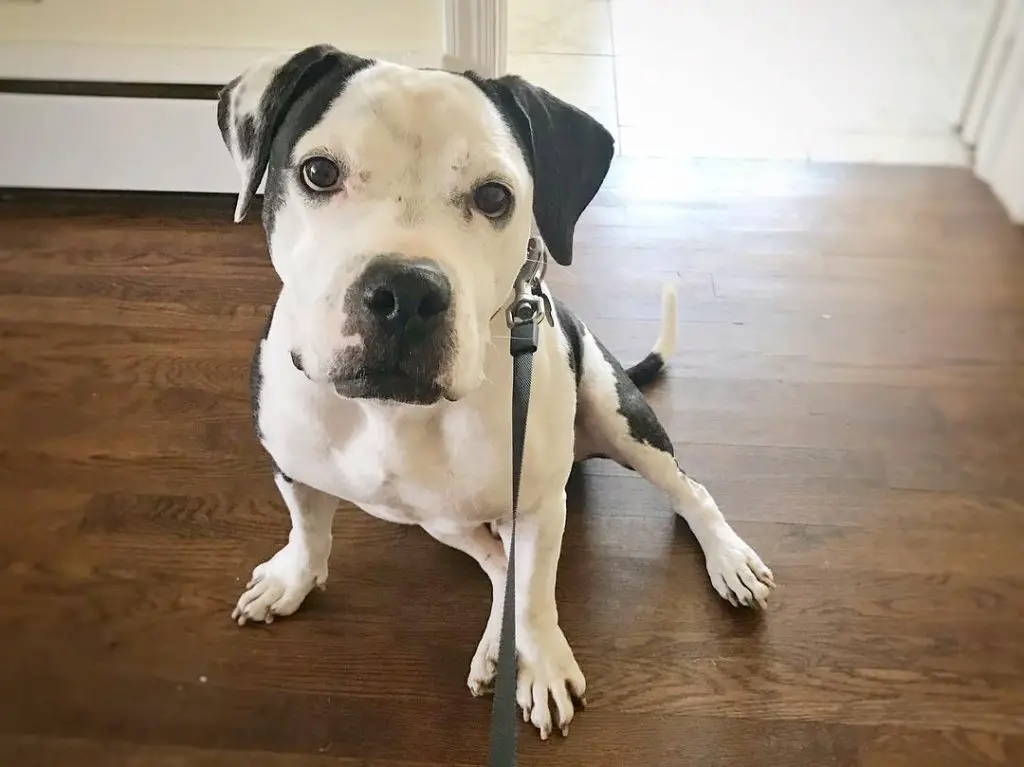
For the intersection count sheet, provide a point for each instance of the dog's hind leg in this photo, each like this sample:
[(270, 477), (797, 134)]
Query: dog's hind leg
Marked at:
[(616, 421)]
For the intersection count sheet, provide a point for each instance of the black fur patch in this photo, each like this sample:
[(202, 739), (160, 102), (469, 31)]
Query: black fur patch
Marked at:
[(567, 152), (646, 370), (224, 107), (573, 330), (644, 425), (247, 136), (305, 113), (293, 102)]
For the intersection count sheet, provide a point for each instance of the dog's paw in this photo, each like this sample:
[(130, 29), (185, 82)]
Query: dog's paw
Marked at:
[(484, 665), (549, 672), (278, 586), (737, 572)]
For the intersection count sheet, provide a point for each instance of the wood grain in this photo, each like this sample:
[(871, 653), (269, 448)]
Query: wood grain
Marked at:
[(849, 384)]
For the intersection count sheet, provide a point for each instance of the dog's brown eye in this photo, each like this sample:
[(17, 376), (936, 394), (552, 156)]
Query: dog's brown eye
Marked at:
[(320, 174), (492, 199)]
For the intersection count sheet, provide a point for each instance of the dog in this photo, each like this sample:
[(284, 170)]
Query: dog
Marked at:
[(398, 209)]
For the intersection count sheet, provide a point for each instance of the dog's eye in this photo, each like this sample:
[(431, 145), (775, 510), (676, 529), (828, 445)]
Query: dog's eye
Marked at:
[(492, 199), (320, 174)]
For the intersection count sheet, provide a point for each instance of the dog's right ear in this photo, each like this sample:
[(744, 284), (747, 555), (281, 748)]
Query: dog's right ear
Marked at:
[(251, 108)]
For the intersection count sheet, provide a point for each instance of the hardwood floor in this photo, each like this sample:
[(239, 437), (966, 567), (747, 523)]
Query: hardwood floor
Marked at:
[(849, 384)]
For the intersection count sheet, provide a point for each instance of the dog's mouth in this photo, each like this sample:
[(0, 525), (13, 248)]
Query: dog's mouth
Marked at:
[(390, 386)]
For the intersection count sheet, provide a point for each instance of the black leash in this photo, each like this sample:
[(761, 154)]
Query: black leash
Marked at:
[(524, 316)]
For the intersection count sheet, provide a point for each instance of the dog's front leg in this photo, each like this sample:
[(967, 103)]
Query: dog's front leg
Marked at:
[(279, 585), (479, 543), (547, 668)]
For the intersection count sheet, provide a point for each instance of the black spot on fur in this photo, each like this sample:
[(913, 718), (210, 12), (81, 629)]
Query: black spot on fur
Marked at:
[(247, 135), (572, 328), (644, 425)]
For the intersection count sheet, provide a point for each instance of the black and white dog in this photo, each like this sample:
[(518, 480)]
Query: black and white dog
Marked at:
[(399, 204)]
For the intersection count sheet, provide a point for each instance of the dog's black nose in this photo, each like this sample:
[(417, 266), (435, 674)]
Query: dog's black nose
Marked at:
[(406, 296)]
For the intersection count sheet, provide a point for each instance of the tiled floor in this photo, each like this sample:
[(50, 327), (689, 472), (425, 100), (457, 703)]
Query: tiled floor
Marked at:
[(844, 80)]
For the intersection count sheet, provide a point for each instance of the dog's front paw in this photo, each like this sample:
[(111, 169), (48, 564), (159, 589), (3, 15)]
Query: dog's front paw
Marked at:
[(278, 586), (737, 572), (484, 665), (548, 671)]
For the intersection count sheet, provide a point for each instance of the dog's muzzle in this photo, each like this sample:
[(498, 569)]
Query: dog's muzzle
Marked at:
[(402, 309)]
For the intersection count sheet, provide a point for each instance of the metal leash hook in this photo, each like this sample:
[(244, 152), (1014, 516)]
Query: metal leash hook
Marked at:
[(530, 302), (529, 306)]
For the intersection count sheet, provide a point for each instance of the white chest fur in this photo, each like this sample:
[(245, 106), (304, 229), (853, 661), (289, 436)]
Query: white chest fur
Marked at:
[(405, 464), (447, 463)]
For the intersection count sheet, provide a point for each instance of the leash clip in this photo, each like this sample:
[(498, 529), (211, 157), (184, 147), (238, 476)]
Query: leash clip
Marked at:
[(524, 323), (531, 303)]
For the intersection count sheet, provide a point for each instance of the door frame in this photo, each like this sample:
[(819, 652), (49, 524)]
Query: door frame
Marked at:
[(999, 156), (476, 36), (993, 53)]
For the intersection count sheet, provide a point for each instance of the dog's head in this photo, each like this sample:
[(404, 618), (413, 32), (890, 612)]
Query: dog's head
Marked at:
[(398, 207)]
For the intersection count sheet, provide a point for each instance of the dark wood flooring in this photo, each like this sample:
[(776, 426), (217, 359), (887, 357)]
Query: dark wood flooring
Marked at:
[(849, 384)]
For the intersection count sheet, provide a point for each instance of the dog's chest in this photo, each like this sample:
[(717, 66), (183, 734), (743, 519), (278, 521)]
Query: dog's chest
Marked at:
[(402, 467)]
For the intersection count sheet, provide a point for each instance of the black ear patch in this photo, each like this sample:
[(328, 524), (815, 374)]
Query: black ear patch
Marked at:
[(567, 151), (252, 107)]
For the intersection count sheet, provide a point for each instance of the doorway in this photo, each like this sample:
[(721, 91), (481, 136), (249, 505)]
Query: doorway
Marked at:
[(877, 81)]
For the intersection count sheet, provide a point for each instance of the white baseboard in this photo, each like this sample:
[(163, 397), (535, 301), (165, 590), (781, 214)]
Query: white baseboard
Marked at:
[(107, 143)]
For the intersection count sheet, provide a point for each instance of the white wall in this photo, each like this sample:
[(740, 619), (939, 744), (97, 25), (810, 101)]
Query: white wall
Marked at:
[(356, 25), (172, 144)]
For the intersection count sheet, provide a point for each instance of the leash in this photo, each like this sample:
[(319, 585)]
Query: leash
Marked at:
[(523, 318)]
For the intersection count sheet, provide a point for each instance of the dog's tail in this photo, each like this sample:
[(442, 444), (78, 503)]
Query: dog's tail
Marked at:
[(650, 367)]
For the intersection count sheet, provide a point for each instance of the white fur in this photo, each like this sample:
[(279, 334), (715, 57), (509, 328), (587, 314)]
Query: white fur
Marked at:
[(436, 140), (446, 466)]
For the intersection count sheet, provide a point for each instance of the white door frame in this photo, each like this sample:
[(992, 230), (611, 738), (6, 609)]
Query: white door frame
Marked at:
[(991, 61), (167, 141), (999, 158), (476, 36)]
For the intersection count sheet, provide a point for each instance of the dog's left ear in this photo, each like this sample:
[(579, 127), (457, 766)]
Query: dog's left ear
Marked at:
[(568, 153)]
